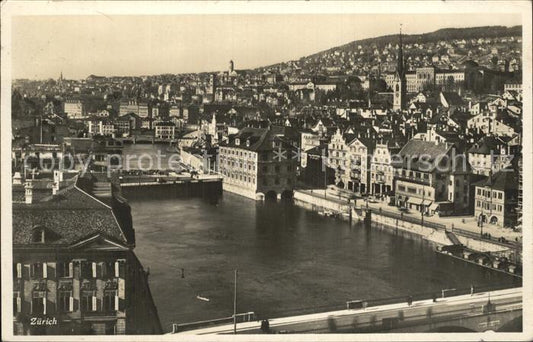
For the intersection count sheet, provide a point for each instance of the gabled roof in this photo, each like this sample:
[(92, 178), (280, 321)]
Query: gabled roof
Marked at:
[(72, 216)]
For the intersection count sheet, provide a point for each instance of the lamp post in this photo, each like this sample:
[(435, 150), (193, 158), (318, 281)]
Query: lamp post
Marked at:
[(423, 199), (235, 305)]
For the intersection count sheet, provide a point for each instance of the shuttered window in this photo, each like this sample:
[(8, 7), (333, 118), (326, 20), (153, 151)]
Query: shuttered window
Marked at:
[(66, 301), (17, 302)]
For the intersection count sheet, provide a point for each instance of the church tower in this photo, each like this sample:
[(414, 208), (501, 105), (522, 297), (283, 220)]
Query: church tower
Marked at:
[(399, 84)]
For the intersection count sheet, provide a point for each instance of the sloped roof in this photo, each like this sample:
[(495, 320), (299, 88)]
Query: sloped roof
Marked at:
[(72, 216), (487, 144), (453, 98), (503, 180)]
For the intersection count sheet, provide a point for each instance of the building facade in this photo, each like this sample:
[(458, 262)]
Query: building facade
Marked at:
[(257, 164), (74, 270)]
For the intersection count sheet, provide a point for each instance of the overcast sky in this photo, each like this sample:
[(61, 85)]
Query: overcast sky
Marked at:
[(44, 46)]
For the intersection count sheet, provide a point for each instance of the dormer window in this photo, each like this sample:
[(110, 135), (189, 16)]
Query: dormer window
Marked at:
[(248, 143), (38, 234), (237, 141)]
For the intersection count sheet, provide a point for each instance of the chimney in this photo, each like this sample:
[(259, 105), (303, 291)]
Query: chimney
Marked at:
[(28, 187), (17, 178)]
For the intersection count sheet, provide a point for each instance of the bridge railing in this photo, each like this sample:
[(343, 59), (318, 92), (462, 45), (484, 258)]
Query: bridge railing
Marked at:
[(365, 303), (438, 294), (240, 317)]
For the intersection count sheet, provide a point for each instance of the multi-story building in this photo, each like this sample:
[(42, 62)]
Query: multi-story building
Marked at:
[(74, 270), (496, 199), (74, 109), (381, 170), (449, 77), (349, 154), (489, 155), (101, 127), (258, 164), (165, 130), (136, 107), (425, 76), (308, 140), (431, 177), (126, 123)]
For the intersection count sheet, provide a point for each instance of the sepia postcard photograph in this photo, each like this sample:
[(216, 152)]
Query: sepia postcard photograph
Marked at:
[(266, 171)]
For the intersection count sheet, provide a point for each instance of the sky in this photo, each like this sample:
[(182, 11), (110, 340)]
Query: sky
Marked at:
[(78, 46)]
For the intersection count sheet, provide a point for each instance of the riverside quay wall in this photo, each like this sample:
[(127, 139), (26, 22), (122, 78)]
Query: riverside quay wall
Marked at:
[(436, 233)]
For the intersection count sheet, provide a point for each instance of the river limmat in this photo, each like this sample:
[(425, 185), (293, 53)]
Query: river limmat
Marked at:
[(290, 260)]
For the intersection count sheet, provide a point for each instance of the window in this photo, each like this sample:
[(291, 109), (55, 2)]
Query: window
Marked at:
[(88, 301), (108, 269), (65, 301), (38, 302), (499, 195), (65, 269), (17, 270), (17, 302), (86, 269), (110, 301), (38, 270)]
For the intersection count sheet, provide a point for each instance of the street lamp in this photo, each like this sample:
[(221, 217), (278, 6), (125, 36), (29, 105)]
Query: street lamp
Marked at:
[(422, 206), (235, 305)]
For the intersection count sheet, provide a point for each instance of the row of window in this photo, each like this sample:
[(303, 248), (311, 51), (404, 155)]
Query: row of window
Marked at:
[(88, 302), (486, 193), (414, 174), (250, 166), (488, 206), (39, 270), (245, 154)]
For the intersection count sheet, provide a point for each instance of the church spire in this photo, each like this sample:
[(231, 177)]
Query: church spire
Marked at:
[(400, 67)]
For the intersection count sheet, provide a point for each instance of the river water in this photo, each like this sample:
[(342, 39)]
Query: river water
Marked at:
[(289, 260)]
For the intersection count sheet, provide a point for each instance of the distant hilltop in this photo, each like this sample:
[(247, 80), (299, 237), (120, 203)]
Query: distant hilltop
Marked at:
[(445, 34)]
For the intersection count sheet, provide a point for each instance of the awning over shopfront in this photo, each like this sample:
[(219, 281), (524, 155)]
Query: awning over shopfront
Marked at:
[(434, 206), (414, 200), (427, 202)]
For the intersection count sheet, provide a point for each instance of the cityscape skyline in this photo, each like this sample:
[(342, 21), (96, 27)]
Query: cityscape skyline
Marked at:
[(57, 42)]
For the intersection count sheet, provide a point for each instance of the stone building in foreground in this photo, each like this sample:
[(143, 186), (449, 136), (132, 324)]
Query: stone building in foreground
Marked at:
[(74, 270)]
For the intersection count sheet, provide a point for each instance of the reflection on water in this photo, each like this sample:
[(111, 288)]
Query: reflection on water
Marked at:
[(290, 260)]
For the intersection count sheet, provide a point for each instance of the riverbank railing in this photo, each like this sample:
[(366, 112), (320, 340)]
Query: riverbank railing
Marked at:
[(443, 227)]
